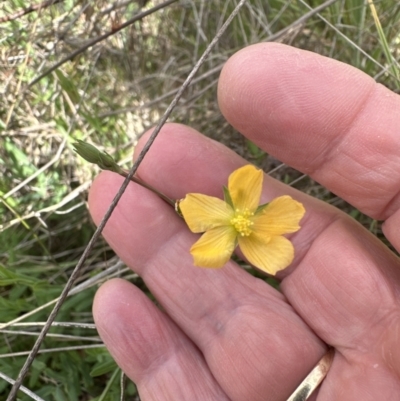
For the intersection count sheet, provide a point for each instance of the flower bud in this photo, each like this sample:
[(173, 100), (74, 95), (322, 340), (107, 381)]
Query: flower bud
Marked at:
[(91, 154)]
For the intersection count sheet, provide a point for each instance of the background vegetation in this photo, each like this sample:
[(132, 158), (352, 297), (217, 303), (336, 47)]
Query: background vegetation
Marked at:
[(108, 95)]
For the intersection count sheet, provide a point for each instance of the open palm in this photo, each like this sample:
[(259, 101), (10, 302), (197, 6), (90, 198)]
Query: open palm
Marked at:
[(224, 334)]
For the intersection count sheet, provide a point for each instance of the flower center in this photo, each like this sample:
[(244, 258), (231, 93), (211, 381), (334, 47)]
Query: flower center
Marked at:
[(242, 222)]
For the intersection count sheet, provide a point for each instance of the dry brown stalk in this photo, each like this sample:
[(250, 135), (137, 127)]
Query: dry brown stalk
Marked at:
[(28, 10)]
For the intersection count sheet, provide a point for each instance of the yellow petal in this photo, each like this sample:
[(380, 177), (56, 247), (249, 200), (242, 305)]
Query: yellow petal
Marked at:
[(281, 216), (245, 185), (269, 256), (215, 247), (202, 212)]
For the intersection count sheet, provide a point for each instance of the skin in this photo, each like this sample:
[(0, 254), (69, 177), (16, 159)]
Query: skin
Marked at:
[(223, 334)]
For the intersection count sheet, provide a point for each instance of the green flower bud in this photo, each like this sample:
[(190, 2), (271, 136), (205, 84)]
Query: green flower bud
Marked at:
[(91, 154)]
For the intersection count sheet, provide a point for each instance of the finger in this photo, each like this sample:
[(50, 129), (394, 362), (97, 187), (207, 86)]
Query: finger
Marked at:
[(243, 327), (320, 116), (150, 348)]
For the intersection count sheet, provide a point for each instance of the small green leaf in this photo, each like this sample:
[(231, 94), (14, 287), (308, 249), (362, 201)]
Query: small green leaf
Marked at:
[(261, 207), (227, 197), (68, 86), (7, 277), (103, 367), (254, 149)]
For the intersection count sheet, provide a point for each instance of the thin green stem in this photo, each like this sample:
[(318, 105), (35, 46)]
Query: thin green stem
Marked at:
[(137, 180)]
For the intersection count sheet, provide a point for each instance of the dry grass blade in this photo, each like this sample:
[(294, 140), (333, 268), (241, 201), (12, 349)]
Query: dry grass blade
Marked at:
[(23, 388), (393, 65), (30, 9), (52, 350)]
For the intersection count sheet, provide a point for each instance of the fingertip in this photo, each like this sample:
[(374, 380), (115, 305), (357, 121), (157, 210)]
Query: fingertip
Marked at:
[(127, 321), (113, 316), (104, 300), (279, 96)]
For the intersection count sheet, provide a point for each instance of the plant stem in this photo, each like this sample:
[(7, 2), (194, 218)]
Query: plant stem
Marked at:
[(165, 198)]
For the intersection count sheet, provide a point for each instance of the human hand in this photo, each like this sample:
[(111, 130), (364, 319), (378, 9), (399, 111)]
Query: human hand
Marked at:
[(224, 334)]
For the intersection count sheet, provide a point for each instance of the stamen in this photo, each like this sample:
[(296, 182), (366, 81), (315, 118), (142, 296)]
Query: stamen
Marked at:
[(242, 223)]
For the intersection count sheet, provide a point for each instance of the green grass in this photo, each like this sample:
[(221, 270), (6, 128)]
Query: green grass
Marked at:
[(109, 95)]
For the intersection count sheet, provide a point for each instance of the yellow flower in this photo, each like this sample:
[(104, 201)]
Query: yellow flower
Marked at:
[(240, 220)]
